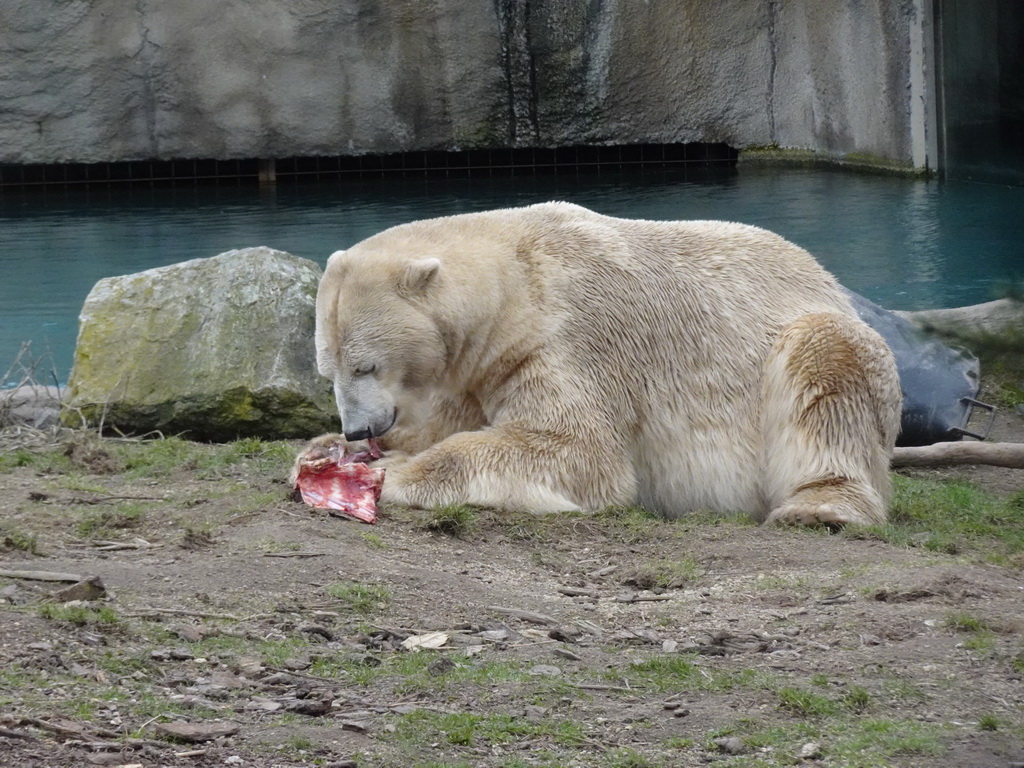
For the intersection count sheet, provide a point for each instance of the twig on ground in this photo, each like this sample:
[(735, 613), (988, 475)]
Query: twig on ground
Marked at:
[(304, 676), (530, 616), (109, 499), (296, 554), (642, 598), (197, 614), (603, 687)]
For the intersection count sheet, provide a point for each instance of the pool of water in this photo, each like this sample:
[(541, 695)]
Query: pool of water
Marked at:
[(906, 244)]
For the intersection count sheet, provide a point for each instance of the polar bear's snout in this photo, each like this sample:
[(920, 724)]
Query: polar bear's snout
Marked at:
[(365, 409), (364, 429)]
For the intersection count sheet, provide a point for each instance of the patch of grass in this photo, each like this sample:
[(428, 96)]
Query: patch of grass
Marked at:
[(167, 455), (1017, 663), (901, 690), (79, 615), (267, 544), (787, 583), (848, 742), (677, 672), (629, 525), (373, 541), (989, 722), (856, 699), (952, 517), (624, 757), (961, 621), (455, 520), (804, 703), (45, 461), (670, 573), (466, 730), (101, 522), (359, 598), (14, 538)]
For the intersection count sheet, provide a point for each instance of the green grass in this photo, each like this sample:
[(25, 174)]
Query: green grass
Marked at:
[(954, 517), (989, 722), (104, 522), (850, 742), (165, 456), (806, 704), (421, 727), (671, 573), (961, 621), (78, 615), (455, 520), (15, 538), (362, 599), (666, 673)]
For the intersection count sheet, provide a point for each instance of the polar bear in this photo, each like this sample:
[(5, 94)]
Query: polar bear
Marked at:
[(550, 358)]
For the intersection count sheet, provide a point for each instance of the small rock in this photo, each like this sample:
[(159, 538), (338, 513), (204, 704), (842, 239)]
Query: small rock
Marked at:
[(233, 760), (311, 707), (565, 653), (105, 758), (680, 712), (810, 751), (195, 732), (188, 632), (278, 678), (440, 666), (41, 646), (669, 646), (296, 665), (545, 670), (258, 704), (354, 725), (87, 589), (495, 635), (317, 631), (249, 666), (536, 714), (181, 654), (731, 745), (565, 634)]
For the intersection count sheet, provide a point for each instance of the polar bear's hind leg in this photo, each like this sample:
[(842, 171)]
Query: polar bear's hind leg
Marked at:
[(830, 414)]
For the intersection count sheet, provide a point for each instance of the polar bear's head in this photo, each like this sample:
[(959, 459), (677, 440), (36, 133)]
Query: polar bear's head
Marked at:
[(377, 340)]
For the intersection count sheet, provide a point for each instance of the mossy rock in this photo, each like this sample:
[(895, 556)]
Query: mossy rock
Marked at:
[(214, 349)]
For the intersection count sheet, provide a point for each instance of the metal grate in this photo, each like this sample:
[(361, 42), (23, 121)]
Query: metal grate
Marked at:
[(470, 163)]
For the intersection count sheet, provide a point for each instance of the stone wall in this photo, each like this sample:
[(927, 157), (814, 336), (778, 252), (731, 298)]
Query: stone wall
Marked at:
[(110, 80)]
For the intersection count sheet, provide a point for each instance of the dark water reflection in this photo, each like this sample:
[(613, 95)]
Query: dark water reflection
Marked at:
[(905, 244)]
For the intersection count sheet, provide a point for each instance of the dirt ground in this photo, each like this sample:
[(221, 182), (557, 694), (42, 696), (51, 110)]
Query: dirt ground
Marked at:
[(279, 633)]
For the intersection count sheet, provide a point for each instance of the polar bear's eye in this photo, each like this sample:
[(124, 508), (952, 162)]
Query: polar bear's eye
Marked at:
[(364, 370)]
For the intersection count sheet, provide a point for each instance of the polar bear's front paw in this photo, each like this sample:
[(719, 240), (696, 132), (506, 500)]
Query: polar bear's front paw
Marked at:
[(833, 503), (828, 515)]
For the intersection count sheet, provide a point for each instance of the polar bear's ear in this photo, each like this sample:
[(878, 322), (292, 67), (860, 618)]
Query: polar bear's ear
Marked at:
[(418, 275)]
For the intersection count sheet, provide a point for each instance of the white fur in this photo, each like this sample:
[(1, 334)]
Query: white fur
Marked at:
[(550, 358)]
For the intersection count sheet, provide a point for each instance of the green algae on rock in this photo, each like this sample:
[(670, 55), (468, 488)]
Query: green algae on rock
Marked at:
[(214, 349)]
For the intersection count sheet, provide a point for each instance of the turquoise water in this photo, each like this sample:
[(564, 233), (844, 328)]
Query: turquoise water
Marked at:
[(905, 244)]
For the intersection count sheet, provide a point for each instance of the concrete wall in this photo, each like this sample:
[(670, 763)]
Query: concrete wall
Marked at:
[(105, 80)]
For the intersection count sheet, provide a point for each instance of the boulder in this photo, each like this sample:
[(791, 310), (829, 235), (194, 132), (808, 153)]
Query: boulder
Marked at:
[(212, 349)]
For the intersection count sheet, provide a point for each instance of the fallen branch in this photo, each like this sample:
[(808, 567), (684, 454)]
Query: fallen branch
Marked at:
[(295, 554), (530, 616), (40, 575), (12, 734), (953, 454), (642, 598)]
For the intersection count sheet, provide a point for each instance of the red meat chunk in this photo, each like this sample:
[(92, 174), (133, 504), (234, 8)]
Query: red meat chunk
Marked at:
[(332, 478)]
